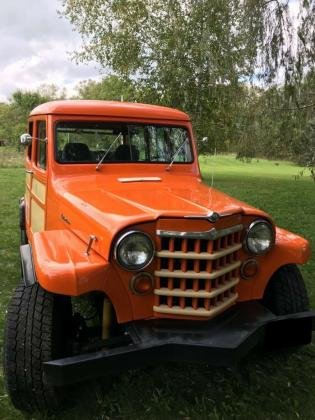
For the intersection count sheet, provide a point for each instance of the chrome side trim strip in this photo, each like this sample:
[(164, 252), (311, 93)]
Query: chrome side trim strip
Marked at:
[(200, 255), (202, 312), (211, 234), (141, 179), (164, 291), (178, 274)]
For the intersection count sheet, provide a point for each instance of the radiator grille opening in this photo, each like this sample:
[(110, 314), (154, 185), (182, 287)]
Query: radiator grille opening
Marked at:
[(197, 272)]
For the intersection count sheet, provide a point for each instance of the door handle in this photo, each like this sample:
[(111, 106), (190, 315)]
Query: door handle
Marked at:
[(28, 171)]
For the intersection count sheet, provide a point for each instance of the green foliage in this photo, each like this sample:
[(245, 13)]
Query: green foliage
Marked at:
[(201, 56), (184, 54), (111, 88), (279, 123), (13, 116), (5, 126), (183, 44)]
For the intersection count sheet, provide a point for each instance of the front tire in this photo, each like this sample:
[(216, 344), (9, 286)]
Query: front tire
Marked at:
[(286, 292), (37, 326)]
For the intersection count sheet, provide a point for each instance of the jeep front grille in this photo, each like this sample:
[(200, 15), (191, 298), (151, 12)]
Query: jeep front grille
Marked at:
[(197, 272)]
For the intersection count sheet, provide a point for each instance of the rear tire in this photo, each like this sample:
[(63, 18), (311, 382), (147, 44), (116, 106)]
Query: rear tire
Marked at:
[(286, 292), (36, 329)]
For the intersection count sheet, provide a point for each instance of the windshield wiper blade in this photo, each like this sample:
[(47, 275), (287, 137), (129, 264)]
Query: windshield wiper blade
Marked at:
[(106, 153), (169, 167)]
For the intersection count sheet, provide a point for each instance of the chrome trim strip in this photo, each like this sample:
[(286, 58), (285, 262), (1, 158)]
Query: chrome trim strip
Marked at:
[(212, 216), (211, 234), (202, 312), (164, 291), (200, 255), (209, 215), (178, 274), (141, 179)]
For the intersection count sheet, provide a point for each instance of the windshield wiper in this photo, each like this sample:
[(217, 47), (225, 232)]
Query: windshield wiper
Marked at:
[(106, 153), (169, 167)]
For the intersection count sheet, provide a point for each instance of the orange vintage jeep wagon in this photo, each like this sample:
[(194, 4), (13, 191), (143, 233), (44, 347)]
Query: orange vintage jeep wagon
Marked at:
[(128, 258)]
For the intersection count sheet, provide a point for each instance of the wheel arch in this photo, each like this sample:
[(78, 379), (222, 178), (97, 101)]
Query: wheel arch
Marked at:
[(286, 291), (289, 249)]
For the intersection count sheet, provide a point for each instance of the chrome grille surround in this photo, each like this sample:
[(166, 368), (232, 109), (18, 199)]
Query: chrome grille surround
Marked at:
[(197, 272)]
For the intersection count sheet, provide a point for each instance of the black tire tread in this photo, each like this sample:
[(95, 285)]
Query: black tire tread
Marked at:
[(286, 292), (29, 341)]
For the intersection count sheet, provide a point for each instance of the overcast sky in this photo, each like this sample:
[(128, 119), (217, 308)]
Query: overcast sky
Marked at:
[(34, 48)]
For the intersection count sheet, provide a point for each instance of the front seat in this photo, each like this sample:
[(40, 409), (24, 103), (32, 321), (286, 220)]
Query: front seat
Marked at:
[(76, 152), (126, 153)]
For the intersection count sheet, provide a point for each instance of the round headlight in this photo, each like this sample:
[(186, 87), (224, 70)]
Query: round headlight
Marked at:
[(260, 237), (134, 250)]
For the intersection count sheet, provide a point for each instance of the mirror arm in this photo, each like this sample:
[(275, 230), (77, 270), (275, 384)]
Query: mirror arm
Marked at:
[(26, 139)]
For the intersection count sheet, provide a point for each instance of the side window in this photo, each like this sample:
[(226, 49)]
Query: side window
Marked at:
[(30, 131), (41, 145)]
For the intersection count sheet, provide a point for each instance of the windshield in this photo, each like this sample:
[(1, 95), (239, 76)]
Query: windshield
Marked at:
[(89, 142)]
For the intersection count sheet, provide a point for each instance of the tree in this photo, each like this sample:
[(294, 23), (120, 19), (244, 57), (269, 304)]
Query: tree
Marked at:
[(4, 122), (23, 101), (192, 54), (110, 88), (13, 116), (166, 41)]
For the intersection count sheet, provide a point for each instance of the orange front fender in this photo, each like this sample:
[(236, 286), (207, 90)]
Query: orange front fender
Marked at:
[(289, 249), (62, 266)]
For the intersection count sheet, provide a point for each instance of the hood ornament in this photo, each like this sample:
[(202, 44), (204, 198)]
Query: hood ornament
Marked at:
[(214, 216), (211, 217)]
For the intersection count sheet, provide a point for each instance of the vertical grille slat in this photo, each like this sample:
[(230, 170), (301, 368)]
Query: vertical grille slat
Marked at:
[(196, 276)]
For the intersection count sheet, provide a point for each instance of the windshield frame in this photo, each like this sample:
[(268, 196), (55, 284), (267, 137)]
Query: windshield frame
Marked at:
[(168, 124)]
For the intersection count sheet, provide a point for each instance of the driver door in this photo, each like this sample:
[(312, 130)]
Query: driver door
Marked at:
[(36, 179)]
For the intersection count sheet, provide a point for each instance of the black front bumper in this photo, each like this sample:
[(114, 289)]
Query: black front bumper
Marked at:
[(220, 342)]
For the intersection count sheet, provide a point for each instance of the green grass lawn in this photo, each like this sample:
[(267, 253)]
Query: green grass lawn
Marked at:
[(11, 157), (265, 386)]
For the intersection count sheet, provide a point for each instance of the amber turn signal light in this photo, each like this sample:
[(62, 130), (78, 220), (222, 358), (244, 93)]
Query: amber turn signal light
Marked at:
[(142, 284), (249, 269)]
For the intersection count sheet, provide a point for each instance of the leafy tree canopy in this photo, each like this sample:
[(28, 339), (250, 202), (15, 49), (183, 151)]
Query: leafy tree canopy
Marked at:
[(13, 116), (111, 88), (185, 46), (198, 56)]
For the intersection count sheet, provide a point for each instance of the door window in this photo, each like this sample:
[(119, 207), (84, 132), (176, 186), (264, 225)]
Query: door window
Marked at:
[(41, 145)]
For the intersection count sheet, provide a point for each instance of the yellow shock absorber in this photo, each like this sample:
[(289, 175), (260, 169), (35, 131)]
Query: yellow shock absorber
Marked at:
[(107, 319)]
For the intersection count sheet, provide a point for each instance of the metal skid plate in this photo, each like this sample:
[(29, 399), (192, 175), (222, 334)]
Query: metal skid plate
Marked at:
[(220, 342)]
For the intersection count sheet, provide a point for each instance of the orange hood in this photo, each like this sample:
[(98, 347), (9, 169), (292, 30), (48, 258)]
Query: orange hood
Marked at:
[(114, 203)]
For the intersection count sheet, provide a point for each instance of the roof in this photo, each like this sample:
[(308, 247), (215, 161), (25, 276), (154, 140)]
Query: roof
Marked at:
[(109, 109)]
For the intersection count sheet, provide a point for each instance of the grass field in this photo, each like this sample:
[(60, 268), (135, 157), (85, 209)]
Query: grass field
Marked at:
[(265, 386), (10, 157)]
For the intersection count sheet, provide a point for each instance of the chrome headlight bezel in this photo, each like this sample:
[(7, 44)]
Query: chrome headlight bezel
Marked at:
[(119, 244), (252, 227)]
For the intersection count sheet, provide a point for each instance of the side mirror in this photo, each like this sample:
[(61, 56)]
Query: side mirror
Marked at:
[(26, 139)]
